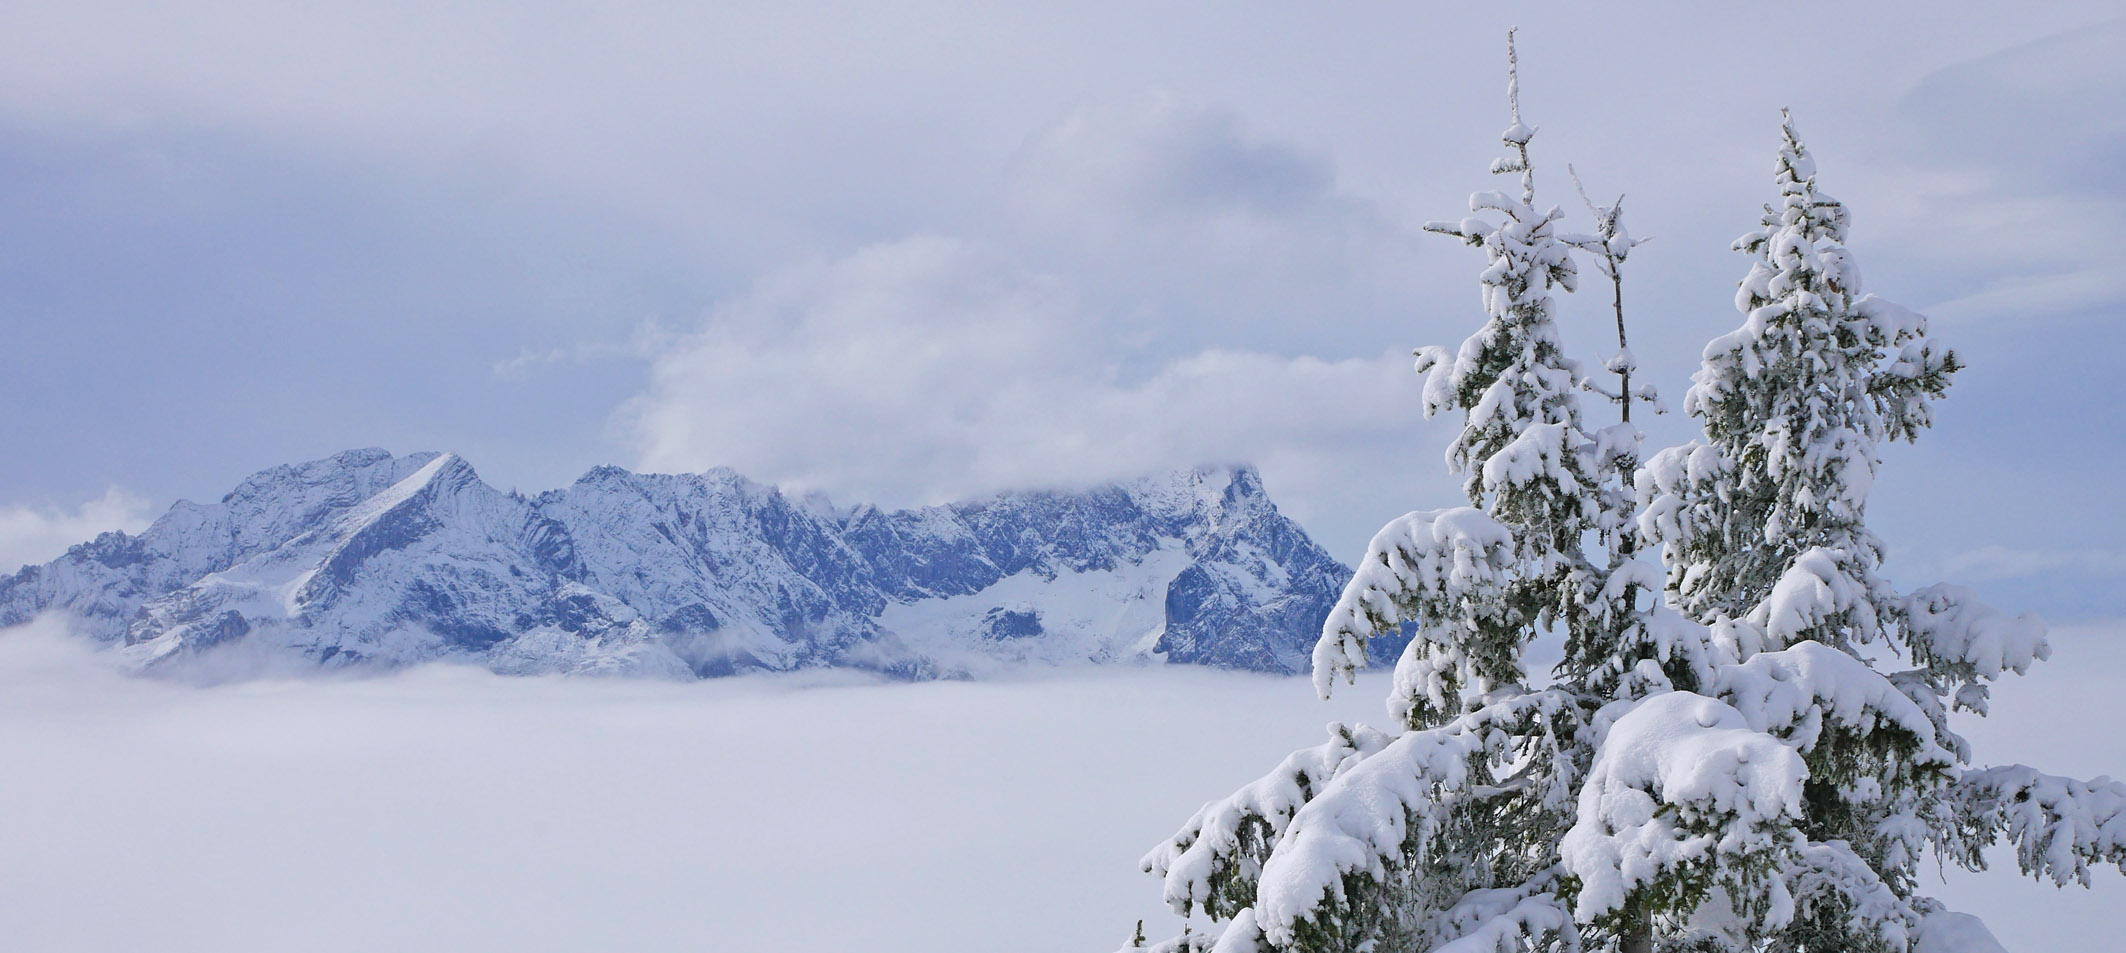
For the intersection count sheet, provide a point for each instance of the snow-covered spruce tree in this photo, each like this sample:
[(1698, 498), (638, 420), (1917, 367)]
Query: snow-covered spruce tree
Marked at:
[(1522, 450), (1379, 841), (1741, 778), (1761, 527), (1794, 403)]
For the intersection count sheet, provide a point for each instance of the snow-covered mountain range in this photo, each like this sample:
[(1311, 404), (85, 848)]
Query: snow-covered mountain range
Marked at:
[(366, 559)]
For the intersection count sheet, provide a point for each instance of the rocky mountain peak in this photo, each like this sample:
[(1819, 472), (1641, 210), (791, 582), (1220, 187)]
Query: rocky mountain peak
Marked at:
[(365, 558)]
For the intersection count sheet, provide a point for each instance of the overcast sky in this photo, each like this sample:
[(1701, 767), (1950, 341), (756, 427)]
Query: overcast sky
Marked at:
[(911, 254)]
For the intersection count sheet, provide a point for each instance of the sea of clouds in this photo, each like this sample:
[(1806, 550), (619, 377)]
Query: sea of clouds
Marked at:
[(450, 809)]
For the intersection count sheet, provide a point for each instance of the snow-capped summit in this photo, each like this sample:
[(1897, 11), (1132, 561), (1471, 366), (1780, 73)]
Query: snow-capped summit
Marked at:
[(367, 558)]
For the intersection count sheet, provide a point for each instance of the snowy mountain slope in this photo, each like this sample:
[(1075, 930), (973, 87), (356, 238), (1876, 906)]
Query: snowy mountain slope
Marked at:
[(364, 558)]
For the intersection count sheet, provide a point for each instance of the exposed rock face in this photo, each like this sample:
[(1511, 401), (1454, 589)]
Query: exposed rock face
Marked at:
[(369, 559)]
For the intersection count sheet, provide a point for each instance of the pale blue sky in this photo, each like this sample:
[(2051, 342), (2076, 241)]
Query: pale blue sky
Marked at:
[(902, 256)]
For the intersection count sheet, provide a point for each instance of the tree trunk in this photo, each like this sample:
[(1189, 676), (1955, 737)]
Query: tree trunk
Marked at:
[(1639, 935)]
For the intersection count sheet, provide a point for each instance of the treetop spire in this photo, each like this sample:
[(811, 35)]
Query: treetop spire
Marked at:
[(1517, 135)]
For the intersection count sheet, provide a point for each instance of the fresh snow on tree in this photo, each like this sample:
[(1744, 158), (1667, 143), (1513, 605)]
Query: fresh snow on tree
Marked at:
[(1794, 403), (1748, 748)]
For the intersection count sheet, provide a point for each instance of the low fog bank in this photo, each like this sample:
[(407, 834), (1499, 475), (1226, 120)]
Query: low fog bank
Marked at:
[(450, 809)]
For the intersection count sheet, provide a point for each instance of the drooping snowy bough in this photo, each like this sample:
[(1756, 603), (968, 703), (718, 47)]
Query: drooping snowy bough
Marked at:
[(1747, 748)]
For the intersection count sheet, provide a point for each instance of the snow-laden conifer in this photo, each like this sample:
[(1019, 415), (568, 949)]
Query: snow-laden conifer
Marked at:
[(1762, 529), (1527, 462), (1794, 403), (1762, 770), (1445, 834)]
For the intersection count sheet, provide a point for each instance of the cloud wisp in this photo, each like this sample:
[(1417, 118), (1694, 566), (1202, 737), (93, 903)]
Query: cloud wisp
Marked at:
[(928, 369), (35, 534), (2018, 147), (1047, 349)]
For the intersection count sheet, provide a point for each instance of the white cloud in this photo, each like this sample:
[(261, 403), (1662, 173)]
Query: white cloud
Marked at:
[(2000, 562), (36, 534), (935, 368), (648, 340), (2035, 296), (2037, 111), (2012, 181), (1085, 335), (1132, 173), (1183, 218)]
